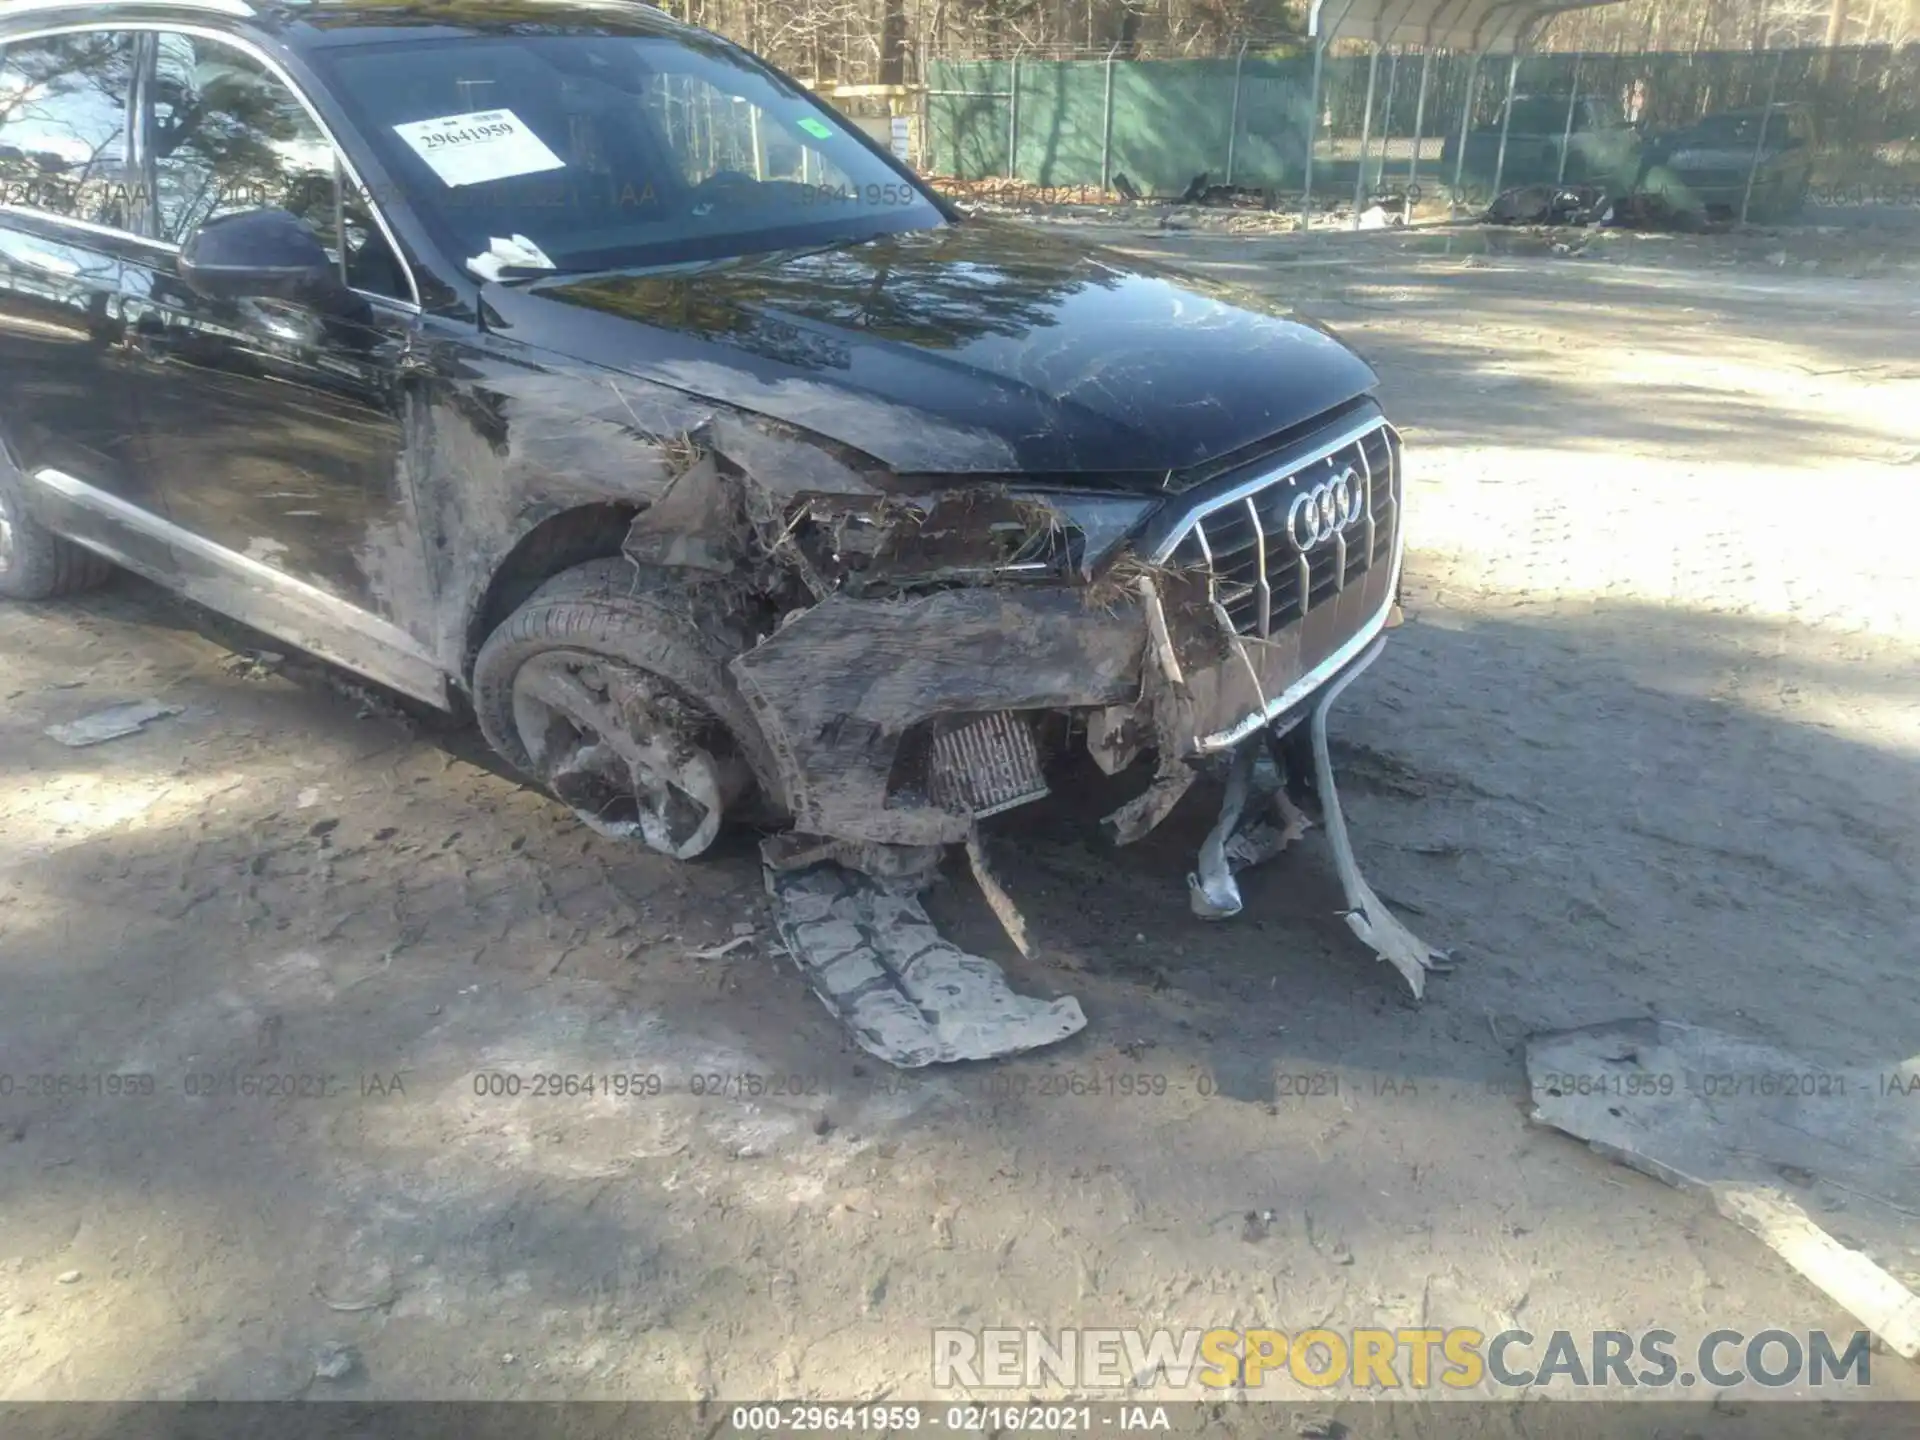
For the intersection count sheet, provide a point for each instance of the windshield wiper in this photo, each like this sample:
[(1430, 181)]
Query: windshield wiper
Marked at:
[(516, 275)]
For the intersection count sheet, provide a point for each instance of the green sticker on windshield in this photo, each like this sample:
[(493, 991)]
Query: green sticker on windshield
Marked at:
[(817, 127)]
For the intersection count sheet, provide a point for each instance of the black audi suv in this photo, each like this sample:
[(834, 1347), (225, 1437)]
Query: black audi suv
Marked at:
[(570, 363)]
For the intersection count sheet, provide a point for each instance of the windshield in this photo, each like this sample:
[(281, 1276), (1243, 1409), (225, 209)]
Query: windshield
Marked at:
[(587, 152)]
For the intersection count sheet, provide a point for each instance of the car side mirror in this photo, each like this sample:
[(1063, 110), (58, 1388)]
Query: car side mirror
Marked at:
[(261, 255)]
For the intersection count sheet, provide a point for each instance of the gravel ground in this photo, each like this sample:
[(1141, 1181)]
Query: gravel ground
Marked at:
[(1646, 744)]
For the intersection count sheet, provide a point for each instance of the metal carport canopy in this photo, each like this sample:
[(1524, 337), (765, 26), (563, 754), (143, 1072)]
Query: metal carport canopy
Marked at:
[(1477, 26)]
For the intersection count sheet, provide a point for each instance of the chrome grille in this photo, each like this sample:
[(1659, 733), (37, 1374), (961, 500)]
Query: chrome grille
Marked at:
[(1260, 576)]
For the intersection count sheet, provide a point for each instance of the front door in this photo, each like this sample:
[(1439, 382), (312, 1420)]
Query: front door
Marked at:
[(70, 255), (276, 432)]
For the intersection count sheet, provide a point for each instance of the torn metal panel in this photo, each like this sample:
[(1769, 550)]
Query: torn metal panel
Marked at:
[(698, 524), (836, 688), (785, 462), (1166, 714), (1742, 1120), (518, 439), (909, 997)]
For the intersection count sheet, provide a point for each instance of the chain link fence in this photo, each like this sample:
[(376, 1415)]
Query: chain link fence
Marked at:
[(1431, 122)]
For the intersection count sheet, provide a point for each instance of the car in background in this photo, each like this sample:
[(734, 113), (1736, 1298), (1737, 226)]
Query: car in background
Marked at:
[(1599, 144), (1705, 166)]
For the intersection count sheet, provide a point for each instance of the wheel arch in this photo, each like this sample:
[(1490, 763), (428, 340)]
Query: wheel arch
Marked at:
[(561, 541)]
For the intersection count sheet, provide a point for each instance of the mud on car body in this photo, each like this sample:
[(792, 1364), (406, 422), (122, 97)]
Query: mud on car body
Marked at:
[(572, 362)]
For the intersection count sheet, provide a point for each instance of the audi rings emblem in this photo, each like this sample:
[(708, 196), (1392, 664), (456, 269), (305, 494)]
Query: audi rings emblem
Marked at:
[(1319, 514)]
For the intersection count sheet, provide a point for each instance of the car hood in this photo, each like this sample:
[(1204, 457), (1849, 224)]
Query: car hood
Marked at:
[(976, 347)]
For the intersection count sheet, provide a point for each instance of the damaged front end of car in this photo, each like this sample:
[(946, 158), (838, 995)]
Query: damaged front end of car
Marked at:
[(934, 642)]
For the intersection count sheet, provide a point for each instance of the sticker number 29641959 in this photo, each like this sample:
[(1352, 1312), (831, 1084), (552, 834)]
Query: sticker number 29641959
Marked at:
[(482, 145)]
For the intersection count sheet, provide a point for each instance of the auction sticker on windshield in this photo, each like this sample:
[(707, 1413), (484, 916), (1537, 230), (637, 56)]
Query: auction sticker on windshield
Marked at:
[(477, 147)]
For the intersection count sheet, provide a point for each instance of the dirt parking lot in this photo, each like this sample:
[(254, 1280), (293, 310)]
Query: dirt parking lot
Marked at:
[(1647, 744)]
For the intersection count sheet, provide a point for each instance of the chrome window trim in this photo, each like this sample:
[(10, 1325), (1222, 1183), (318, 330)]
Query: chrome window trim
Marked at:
[(246, 46), (89, 228)]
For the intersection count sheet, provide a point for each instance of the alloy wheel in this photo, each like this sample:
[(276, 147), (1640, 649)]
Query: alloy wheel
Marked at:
[(631, 757)]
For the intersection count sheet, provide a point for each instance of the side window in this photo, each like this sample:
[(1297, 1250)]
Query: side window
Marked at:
[(63, 127), (227, 135)]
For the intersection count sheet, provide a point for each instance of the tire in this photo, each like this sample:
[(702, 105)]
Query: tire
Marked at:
[(35, 563), (641, 621)]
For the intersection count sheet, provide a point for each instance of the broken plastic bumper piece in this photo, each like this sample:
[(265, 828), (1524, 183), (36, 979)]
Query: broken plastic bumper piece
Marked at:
[(906, 995), (1243, 837)]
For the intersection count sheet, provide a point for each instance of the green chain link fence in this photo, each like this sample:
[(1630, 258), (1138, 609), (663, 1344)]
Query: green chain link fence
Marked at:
[(1245, 120)]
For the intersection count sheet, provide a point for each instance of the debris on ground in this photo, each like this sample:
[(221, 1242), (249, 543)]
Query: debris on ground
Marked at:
[(1596, 205), (722, 950), (1703, 1110), (1650, 210), (113, 723), (908, 996), (1202, 191), (253, 664), (335, 1362), (1540, 204)]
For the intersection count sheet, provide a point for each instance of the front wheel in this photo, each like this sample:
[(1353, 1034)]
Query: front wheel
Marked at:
[(35, 563), (609, 686)]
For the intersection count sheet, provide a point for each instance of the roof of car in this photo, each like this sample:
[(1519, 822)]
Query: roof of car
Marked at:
[(337, 21)]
